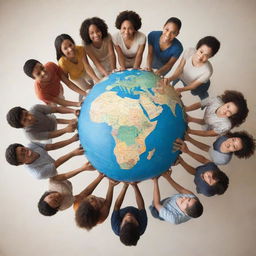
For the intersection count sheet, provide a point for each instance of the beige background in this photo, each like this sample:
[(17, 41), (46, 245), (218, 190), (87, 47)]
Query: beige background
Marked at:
[(227, 227)]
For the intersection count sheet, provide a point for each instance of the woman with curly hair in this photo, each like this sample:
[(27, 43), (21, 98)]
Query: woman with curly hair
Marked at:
[(194, 69), (73, 61), (98, 45), (129, 42), (221, 114)]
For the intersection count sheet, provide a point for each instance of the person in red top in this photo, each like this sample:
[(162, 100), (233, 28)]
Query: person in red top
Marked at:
[(48, 79)]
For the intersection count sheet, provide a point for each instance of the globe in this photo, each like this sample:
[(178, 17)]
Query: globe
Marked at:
[(128, 123)]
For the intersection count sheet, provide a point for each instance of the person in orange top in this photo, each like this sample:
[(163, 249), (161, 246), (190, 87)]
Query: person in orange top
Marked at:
[(47, 82)]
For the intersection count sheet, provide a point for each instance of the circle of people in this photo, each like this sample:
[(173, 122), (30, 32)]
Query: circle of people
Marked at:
[(193, 72)]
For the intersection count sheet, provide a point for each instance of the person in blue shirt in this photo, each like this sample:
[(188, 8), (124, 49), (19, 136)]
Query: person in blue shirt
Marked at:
[(209, 179), (129, 223), (163, 47), (178, 208)]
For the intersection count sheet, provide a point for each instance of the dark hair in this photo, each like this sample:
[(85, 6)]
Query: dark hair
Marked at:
[(195, 210), (132, 16), (10, 154), (13, 117), (44, 208), (211, 42), (238, 99), (222, 182), (248, 144), (29, 67), (174, 20), (86, 215), (99, 23), (58, 41), (129, 234)]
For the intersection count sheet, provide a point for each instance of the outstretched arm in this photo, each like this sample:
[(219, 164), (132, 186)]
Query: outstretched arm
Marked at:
[(178, 71), (69, 128), (89, 70), (182, 146), (64, 103), (192, 107), (121, 58), (176, 186), (210, 133), (68, 175), (139, 198), (156, 195), (120, 198), (187, 167), (138, 57), (63, 159), (61, 144), (165, 68), (150, 57), (63, 110), (197, 143)]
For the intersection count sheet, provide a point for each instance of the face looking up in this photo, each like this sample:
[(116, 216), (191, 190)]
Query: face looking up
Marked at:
[(232, 145), (227, 110), (203, 53), (53, 199), (129, 218), (68, 49), (185, 202), (27, 119), (40, 73), (95, 34), (127, 30), (96, 202), (208, 178), (170, 31), (25, 155)]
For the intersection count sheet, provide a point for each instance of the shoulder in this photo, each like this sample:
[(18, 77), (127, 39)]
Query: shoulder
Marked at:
[(80, 49), (154, 34), (177, 44), (206, 167)]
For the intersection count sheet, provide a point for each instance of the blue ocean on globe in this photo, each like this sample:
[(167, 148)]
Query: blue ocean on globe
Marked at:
[(128, 123)]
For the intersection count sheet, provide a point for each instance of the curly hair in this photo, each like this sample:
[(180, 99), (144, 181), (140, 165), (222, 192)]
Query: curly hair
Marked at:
[(195, 210), (248, 144), (44, 208), (238, 99), (58, 41), (10, 154), (86, 215), (13, 117), (99, 23), (132, 16), (222, 182), (129, 234), (174, 20), (29, 67), (211, 41)]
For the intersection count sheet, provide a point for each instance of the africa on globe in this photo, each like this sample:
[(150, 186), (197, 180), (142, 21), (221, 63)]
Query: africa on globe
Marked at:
[(128, 123)]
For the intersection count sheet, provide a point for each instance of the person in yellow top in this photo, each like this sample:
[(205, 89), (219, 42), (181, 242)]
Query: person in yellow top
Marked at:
[(73, 61)]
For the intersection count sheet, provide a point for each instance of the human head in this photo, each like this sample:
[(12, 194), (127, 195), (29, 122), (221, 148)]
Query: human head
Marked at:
[(86, 215), (247, 141), (174, 20), (29, 67), (170, 30), (58, 42), (130, 16), (211, 42), (49, 197), (99, 23), (195, 210), (14, 116), (129, 234), (238, 99), (10, 154)]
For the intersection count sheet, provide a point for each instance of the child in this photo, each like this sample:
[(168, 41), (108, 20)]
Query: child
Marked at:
[(178, 208), (73, 61), (39, 123), (37, 160), (221, 113), (59, 197), (47, 82), (194, 69), (98, 45), (129, 223), (163, 47), (91, 210), (129, 42), (241, 144)]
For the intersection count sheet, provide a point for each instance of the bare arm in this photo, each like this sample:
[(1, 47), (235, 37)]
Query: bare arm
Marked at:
[(120, 197), (139, 198), (68, 175), (197, 143), (210, 133), (65, 103), (89, 70), (178, 71), (71, 85), (121, 58), (63, 159), (138, 57), (156, 195), (112, 56), (187, 167), (61, 144), (69, 128), (175, 185), (150, 57), (167, 66), (63, 110)]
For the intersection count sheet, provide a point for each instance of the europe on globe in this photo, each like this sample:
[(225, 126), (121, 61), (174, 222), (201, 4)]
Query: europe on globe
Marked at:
[(128, 123)]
